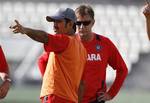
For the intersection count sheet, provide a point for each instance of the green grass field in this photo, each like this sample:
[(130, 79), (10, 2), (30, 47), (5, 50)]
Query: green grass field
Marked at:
[(31, 95), (23, 95)]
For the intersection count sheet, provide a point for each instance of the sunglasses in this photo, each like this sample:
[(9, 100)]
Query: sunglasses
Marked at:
[(85, 23)]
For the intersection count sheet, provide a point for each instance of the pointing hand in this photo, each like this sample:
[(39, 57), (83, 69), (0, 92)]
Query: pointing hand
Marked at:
[(18, 28)]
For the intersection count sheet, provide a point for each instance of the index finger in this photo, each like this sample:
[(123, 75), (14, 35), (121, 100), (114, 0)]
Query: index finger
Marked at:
[(16, 21)]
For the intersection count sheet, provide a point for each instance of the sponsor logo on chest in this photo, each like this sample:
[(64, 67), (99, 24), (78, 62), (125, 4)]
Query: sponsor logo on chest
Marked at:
[(94, 57)]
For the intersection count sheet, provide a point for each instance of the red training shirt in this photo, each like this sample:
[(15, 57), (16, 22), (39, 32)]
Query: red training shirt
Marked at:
[(102, 52)]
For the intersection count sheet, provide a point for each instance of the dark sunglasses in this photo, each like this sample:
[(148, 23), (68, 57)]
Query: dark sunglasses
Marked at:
[(85, 23)]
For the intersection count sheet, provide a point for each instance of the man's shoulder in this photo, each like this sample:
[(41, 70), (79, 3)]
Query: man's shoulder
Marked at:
[(104, 40), (101, 37)]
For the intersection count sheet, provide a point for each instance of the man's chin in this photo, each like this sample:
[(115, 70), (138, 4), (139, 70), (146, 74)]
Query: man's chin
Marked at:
[(81, 34)]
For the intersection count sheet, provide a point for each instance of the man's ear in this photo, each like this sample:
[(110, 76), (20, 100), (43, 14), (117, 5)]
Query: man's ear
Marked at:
[(93, 22), (71, 24)]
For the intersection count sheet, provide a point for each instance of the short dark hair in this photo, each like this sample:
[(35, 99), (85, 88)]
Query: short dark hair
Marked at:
[(85, 10)]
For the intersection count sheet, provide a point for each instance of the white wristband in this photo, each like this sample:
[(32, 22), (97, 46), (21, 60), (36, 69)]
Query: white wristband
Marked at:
[(8, 79)]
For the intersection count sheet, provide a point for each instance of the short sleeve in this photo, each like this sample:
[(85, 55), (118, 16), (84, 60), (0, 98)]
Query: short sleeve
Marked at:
[(56, 43)]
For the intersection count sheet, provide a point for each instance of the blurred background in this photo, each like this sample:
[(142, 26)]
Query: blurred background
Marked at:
[(120, 20)]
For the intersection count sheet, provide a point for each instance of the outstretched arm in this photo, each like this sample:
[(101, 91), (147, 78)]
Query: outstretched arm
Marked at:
[(37, 35), (146, 12)]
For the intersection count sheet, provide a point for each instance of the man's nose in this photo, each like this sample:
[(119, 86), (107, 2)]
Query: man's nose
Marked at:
[(81, 26)]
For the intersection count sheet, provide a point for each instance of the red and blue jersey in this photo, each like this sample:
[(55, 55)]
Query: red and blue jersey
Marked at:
[(102, 52)]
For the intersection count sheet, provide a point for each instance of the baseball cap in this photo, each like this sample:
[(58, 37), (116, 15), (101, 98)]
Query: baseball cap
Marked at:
[(62, 14)]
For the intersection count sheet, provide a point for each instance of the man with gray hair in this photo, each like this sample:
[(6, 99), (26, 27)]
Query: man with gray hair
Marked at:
[(101, 52)]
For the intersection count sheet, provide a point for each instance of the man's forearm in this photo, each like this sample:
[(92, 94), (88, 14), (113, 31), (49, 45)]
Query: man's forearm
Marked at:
[(37, 35)]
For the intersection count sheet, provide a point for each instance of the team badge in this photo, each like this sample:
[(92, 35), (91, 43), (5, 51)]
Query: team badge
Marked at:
[(98, 47)]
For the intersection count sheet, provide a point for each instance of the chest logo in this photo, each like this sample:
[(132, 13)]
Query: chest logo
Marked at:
[(98, 47), (94, 57)]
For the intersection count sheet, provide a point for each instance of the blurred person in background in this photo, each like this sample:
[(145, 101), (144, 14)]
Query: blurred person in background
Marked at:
[(101, 52), (4, 75), (67, 57), (146, 12)]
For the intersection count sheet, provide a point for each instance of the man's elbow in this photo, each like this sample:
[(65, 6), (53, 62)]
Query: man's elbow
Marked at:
[(125, 72)]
